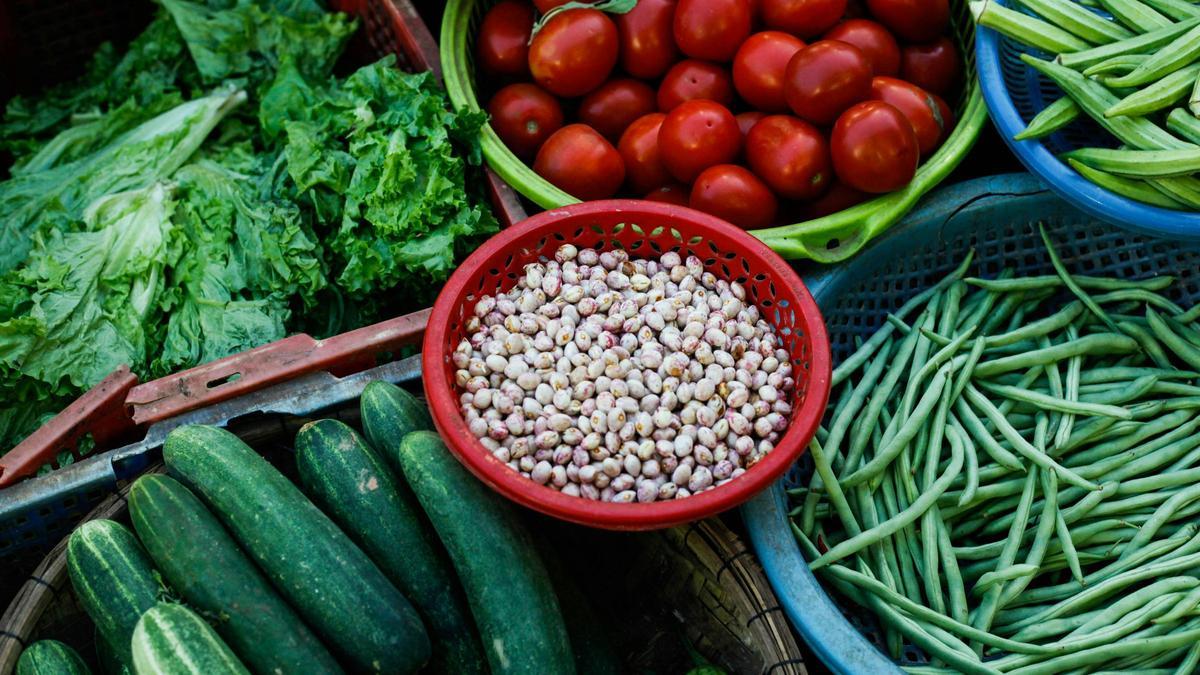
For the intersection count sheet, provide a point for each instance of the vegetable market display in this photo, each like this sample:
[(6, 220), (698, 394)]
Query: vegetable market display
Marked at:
[(388, 556), (685, 102), (1134, 73), (215, 188), (1007, 480), (618, 379)]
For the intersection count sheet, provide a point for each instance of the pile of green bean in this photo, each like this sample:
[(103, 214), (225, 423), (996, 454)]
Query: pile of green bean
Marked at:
[(1009, 476), (1134, 74)]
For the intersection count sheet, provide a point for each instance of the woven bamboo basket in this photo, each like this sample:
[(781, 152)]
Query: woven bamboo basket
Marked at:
[(672, 599)]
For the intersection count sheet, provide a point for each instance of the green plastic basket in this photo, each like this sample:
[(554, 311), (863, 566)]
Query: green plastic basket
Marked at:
[(827, 240)]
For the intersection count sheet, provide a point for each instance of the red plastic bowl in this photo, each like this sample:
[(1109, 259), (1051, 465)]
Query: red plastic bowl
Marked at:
[(644, 229)]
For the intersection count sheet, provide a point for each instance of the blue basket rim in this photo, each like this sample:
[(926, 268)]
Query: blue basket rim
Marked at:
[(1062, 179)]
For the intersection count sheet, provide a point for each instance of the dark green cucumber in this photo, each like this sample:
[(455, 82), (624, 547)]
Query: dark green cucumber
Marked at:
[(329, 580), (351, 483), (208, 570), (173, 640), (507, 586), (113, 579), (390, 413), (51, 657)]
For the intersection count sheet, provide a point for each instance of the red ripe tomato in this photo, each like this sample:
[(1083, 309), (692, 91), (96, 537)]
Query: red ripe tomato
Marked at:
[(789, 155), (874, 40), (912, 20), (647, 41), (731, 192), (644, 170), (759, 66), (524, 117), (574, 52), (803, 18), (825, 78), (947, 117), (933, 67), (711, 29), (616, 104), (690, 79), (697, 135), (874, 147), (669, 194), (747, 120), (503, 41), (581, 163), (918, 107), (839, 198)]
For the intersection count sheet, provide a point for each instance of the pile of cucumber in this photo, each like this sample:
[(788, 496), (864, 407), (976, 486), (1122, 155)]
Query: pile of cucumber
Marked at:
[(389, 558)]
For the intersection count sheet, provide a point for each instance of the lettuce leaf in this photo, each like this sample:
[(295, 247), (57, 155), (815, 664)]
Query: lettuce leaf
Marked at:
[(382, 156), (92, 293), (249, 257), (53, 199)]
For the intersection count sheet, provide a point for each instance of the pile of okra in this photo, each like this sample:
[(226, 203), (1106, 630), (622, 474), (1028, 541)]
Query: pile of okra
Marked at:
[(1009, 476), (1134, 74)]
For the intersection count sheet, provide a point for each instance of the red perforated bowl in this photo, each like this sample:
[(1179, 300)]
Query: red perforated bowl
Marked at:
[(645, 230)]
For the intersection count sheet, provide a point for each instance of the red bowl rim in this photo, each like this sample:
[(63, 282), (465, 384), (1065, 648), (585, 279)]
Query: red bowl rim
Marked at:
[(444, 404)]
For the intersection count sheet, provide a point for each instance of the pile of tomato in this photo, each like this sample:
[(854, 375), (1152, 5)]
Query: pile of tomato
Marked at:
[(752, 110)]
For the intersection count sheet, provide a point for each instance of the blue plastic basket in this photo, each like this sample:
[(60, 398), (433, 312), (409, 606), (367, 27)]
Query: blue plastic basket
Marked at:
[(1014, 93), (998, 216)]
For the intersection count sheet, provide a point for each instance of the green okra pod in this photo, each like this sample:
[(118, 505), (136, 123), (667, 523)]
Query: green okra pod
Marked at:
[(1161, 94), (1141, 18), (1140, 163), (1025, 29), (1132, 188), (1054, 117), (1078, 21), (1146, 43), (1178, 10), (1093, 98), (1183, 50)]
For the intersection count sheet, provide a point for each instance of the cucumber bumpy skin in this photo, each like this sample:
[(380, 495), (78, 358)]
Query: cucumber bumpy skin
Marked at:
[(507, 585), (332, 584), (352, 484)]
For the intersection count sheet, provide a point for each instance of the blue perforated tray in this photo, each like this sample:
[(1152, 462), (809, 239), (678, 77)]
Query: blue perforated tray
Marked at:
[(1014, 94), (998, 216)]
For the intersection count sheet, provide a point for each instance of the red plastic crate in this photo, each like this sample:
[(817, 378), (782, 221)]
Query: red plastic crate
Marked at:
[(62, 34)]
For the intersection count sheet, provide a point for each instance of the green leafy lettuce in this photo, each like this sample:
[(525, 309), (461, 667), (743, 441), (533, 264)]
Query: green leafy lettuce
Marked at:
[(214, 188), (379, 156)]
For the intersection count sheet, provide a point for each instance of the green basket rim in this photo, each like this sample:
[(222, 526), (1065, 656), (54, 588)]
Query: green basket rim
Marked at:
[(828, 239)]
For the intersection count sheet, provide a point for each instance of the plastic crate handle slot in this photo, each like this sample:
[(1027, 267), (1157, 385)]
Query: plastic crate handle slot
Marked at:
[(100, 412), (263, 366)]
